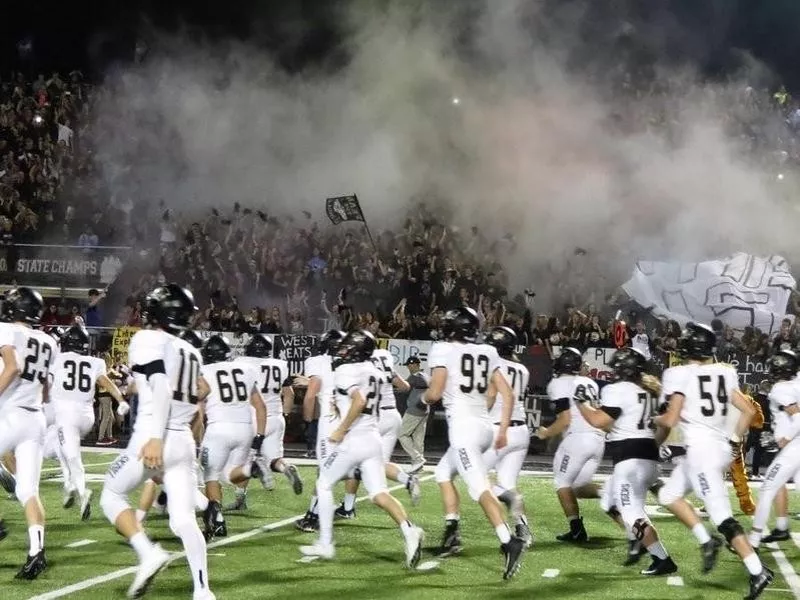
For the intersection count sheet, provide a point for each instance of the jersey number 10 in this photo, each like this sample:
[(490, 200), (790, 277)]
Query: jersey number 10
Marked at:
[(186, 387)]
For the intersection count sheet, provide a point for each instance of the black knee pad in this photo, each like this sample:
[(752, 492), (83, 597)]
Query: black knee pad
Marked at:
[(640, 528), (613, 512), (730, 528)]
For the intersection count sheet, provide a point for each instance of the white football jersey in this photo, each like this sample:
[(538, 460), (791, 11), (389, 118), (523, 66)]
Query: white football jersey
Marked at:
[(469, 370), (273, 376), (366, 378), (231, 383), (320, 367), (35, 352), (563, 389), (636, 408), (74, 379), (707, 390), (783, 394), (517, 376), (385, 362), (151, 350)]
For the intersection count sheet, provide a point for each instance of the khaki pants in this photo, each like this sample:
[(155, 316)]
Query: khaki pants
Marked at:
[(106, 418), (412, 437)]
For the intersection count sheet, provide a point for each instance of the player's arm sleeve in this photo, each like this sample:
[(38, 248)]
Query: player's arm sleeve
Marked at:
[(609, 404), (555, 393), (146, 357), (437, 357)]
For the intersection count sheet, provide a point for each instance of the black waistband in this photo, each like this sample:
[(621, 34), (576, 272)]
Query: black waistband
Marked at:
[(388, 408), (641, 448), (514, 423), (29, 409)]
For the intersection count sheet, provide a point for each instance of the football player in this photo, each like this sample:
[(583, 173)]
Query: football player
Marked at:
[(464, 374), (698, 394), (784, 402), (626, 411), (166, 372), (508, 461), (27, 357), (320, 393), (229, 434), (581, 449), (75, 376), (358, 445)]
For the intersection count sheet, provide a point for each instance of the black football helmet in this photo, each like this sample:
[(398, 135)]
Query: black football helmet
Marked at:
[(460, 325), (170, 307), (569, 362), (697, 342), (191, 336), (23, 304), (628, 364), (504, 339), (259, 346), (328, 342), (75, 339), (216, 349), (357, 346), (782, 365)]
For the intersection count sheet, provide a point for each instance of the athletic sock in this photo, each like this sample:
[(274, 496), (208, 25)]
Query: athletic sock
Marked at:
[(657, 549), (36, 539), (503, 533), (701, 534), (349, 501)]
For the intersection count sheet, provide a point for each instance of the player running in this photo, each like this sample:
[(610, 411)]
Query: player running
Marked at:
[(698, 394), (464, 374), (166, 372), (358, 445)]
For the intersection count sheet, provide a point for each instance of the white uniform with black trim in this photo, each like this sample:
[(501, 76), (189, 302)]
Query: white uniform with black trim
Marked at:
[(229, 433), (786, 465), (508, 461), (22, 421), (581, 450), (470, 368), (389, 419), (273, 377), (707, 389), (155, 353), (632, 448), (320, 368), (361, 446)]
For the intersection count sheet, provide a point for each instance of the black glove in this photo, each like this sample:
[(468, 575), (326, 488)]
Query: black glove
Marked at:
[(257, 441)]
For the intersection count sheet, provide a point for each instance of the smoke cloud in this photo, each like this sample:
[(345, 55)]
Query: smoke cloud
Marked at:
[(503, 115)]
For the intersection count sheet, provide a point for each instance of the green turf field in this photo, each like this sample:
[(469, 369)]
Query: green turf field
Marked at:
[(369, 561)]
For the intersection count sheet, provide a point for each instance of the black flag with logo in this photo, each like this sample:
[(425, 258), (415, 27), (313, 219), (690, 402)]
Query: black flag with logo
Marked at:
[(344, 208)]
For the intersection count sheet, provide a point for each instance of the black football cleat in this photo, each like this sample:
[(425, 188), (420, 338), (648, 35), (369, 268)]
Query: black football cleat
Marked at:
[(635, 552), (660, 566), (294, 478), (522, 531), (710, 552), (759, 582), (512, 553), (214, 522), (576, 534), (33, 567), (3, 530), (451, 540), (342, 513), (308, 524), (776, 535)]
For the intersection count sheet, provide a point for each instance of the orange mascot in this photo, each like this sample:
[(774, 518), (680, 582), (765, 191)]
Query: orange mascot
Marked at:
[(738, 474)]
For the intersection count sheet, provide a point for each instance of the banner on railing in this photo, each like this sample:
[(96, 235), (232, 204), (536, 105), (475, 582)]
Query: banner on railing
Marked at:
[(62, 266)]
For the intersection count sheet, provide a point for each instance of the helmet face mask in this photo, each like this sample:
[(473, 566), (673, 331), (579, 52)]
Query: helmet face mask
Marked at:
[(569, 362), (75, 339), (23, 305), (628, 364), (216, 349), (170, 307), (356, 346), (782, 366), (259, 346)]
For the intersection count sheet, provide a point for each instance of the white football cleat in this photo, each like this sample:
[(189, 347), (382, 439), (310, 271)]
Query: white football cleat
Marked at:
[(155, 562), (326, 551), (414, 539), (204, 595), (414, 490)]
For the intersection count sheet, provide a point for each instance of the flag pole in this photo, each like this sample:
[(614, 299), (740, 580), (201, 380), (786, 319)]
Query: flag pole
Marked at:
[(364, 220)]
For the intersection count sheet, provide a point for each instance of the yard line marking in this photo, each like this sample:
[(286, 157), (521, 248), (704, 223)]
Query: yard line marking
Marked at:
[(80, 543), (675, 580), (786, 569), (58, 469), (217, 554), (87, 583), (796, 538), (551, 573)]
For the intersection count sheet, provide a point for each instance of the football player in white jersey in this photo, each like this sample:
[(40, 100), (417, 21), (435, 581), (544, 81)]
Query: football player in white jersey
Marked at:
[(463, 375), (582, 446), (626, 411), (228, 439), (320, 396), (698, 394), (166, 372), (27, 357), (358, 446), (508, 461), (275, 386), (784, 401)]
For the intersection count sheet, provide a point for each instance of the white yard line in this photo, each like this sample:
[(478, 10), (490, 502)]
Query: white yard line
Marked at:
[(796, 538), (675, 580), (80, 543), (786, 569), (87, 583), (89, 466), (551, 573)]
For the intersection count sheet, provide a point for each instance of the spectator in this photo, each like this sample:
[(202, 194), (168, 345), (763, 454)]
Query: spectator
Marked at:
[(93, 316), (415, 419), (88, 239)]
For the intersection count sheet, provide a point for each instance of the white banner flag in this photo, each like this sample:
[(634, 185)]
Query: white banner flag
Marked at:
[(741, 290)]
